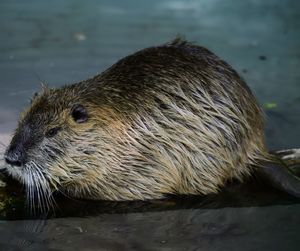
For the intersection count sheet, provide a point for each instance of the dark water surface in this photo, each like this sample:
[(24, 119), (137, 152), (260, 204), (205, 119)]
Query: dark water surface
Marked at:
[(62, 42)]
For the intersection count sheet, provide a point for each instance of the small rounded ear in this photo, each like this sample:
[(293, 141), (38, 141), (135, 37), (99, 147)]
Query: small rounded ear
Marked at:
[(79, 114), (36, 94)]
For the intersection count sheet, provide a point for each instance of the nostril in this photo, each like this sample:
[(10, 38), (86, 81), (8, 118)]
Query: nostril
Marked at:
[(15, 155), (13, 161)]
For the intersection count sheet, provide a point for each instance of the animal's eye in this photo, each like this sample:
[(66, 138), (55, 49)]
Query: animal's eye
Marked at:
[(52, 132), (79, 114)]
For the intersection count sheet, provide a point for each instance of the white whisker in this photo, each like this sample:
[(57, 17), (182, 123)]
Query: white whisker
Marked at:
[(45, 203), (44, 195), (28, 190), (31, 191), (37, 189)]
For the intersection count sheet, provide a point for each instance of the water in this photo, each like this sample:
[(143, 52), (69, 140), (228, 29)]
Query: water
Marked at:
[(267, 228), (61, 42)]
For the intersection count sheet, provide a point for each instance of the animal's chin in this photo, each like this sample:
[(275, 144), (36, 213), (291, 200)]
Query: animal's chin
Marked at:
[(14, 173), (36, 186), (27, 175), (12, 180)]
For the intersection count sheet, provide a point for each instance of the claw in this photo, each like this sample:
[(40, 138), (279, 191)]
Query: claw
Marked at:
[(290, 158), (289, 155)]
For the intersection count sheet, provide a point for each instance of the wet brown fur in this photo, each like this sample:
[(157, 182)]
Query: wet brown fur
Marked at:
[(171, 119)]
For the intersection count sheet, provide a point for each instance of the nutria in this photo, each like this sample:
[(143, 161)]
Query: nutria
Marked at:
[(170, 119)]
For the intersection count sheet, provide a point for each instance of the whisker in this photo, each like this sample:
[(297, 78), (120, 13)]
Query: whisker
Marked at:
[(38, 196), (45, 190), (51, 199), (41, 195), (45, 202), (37, 190), (31, 192), (28, 190)]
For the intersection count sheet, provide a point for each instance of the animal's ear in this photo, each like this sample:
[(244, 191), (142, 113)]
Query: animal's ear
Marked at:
[(44, 89), (79, 113), (36, 94)]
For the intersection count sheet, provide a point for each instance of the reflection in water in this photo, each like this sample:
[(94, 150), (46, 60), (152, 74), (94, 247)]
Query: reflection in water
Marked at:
[(180, 229)]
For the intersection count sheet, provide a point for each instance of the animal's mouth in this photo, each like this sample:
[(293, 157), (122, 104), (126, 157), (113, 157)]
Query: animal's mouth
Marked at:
[(32, 179), (10, 182), (9, 172)]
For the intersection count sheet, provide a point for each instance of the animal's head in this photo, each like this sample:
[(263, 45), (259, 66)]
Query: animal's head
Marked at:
[(62, 142)]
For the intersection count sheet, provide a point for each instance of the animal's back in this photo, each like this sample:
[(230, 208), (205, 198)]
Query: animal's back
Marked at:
[(194, 124)]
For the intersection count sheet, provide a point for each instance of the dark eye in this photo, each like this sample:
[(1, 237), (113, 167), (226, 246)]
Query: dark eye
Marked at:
[(79, 114), (52, 132)]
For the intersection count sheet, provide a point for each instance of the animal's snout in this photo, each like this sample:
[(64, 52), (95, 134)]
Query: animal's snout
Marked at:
[(15, 156)]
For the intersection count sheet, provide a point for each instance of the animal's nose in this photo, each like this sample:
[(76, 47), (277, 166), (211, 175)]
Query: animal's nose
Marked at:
[(15, 157), (13, 161)]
